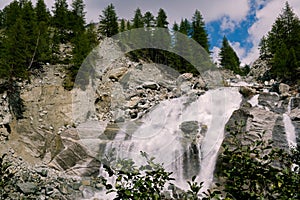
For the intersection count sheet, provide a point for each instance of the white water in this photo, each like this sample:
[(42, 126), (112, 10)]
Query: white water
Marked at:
[(289, 128), (160, 135)]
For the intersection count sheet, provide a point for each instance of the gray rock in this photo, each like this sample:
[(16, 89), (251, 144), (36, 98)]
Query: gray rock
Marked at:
[(150, 85), (27, 188), (117, 73), (189, 127), (284, 88)]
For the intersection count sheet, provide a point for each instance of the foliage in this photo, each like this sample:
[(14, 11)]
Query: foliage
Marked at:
[(251, 168), (132, 182), (109, 21), (228, 57), (149, 19), (199, 32), (281, 46), (161, 20), (83, 43), (61, 20), (137, 21)]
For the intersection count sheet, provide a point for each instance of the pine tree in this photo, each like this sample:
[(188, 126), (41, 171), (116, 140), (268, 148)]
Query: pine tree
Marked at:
[(61, 20), (285, 34), (78, 16), (15, 47), (11, 13), (42, 14), (229, 59), (137, 21), (83, 45), (31, 36), (122, 25), (161, 19), (149, 19), (199, 33), (42, 51), (128, 25), (108, 22), (185, 27)]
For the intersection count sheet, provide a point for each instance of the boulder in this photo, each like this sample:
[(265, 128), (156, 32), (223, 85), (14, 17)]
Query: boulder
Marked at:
[(150, 85), (284, 88), (117, 73), (189, 127), (247, 91), (27, 187)]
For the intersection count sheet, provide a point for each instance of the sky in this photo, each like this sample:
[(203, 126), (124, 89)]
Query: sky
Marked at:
[(244, 22)]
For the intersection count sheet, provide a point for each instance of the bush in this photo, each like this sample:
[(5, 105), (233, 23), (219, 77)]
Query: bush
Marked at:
[(253, 169)]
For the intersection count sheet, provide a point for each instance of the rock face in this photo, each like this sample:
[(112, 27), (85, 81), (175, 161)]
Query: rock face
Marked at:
[(61, 129), (295, 116), (259, 70)]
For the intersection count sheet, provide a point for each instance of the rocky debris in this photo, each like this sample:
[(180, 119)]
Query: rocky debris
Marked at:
[(42, 182), (295, 116), (5, 118), (259, 70)]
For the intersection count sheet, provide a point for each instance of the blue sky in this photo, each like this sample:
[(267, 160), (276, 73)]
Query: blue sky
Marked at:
[(244, 22)]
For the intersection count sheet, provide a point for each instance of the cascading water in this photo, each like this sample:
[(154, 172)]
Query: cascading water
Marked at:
[(289, 127), (184, 133)]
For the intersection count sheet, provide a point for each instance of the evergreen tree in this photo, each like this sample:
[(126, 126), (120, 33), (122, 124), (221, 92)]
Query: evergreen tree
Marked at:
[(42, 14), (11, 13), (264, 52), (83, 45), (128, 25), (15, 46), (229, 59), (109, 22), (185, 27), (61, 20), (282, 45), (78, 16), (31, 31), (161, 20), (137, 21), (149, 19), (42, 51), (122, 25), (199, 33)]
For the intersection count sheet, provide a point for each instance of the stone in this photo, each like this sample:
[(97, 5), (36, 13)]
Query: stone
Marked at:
[(247, 91), (117, 73), (49, 191), (133, 102), (150, 85), (27, 187), (86, 182), (284, 88), (189, 126)]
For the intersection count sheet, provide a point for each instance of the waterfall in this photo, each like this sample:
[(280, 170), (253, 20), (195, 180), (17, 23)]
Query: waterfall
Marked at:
[(289, 127), (183, 133)]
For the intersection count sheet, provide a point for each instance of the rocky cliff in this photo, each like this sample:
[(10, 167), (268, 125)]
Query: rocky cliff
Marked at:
[(67, 130)]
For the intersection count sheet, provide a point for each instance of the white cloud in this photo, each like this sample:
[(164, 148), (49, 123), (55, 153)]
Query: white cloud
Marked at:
[(227, 24), (266, 16), (176, 9), (240, 51)]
